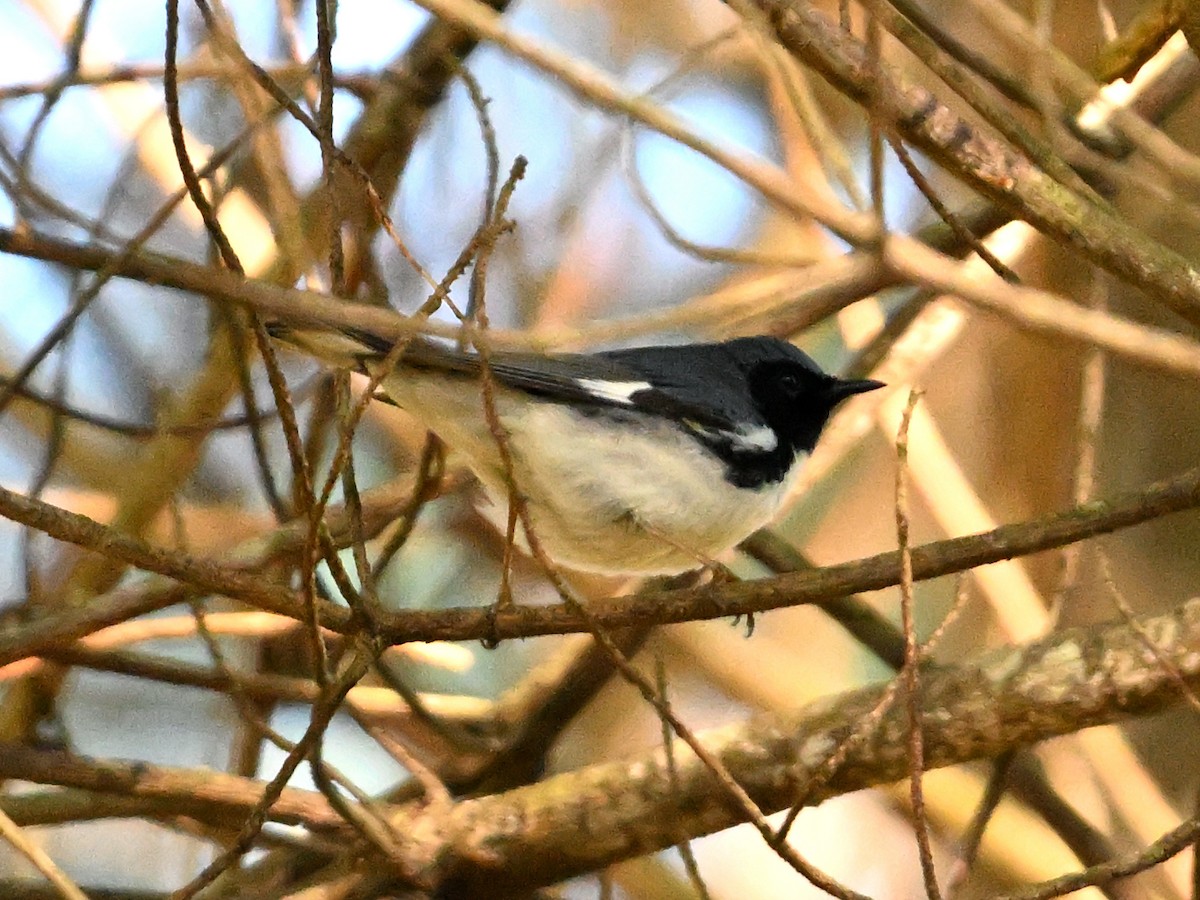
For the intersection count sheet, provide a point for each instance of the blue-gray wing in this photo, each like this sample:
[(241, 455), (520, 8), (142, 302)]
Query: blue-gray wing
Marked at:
[(700, 385), (703, 387)]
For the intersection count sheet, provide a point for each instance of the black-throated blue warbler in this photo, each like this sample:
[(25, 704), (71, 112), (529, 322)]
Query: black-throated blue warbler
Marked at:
[(649, 460)]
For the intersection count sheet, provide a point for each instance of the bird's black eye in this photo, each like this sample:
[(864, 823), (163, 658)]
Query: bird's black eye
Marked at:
[(789, 383)]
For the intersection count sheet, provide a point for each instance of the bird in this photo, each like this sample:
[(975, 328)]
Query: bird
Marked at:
[(640, 461)]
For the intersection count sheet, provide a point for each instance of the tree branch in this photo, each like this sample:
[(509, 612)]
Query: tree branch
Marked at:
[(652, 608), (203, 793), (987, 164), (581, 821)]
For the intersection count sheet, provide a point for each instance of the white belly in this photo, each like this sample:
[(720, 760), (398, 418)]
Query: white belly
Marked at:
[(651, 501)]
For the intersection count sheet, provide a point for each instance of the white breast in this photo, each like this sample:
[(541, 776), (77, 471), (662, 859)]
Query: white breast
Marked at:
[(650, 501)]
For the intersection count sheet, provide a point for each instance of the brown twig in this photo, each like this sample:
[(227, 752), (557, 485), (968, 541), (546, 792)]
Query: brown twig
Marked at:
[(910, 674), (199, 792), (322, 713)]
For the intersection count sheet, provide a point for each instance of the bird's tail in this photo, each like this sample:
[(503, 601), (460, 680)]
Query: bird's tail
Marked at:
[(357, 349), (344, 348)]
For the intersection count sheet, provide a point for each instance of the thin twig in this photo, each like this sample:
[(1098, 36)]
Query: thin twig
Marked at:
[(910, 674), (19, 841), (684, 847)]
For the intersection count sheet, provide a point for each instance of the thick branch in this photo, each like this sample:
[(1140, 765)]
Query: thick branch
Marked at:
[(581, 821)]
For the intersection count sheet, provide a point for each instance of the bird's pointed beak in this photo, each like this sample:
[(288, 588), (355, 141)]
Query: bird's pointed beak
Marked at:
[(840, 389)]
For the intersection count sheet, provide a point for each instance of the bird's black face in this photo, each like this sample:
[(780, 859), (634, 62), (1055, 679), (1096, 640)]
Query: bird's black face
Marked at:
[(795, 398)]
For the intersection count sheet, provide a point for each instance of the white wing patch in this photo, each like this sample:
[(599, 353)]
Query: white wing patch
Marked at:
[(756, 438), (759, 439), (613, 391)]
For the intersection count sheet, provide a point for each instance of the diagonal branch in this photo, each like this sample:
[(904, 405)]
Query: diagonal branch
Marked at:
[(988, 164), (580, 821)]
